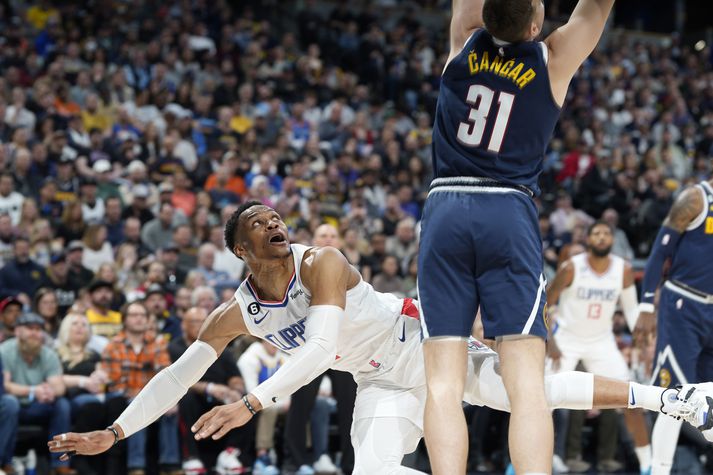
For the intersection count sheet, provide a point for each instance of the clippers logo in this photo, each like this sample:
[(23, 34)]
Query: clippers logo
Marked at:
[(375, 364)]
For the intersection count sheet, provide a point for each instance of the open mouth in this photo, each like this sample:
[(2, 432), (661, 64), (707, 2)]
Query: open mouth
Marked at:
[(278, 239)]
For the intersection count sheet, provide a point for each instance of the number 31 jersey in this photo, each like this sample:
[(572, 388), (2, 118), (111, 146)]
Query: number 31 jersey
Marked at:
[(495, 112)]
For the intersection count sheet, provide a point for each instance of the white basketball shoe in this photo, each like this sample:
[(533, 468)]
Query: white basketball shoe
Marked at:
[(692, 403)]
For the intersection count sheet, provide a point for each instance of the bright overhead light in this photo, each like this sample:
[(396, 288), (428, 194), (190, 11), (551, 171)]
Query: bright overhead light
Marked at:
[(700, 45)]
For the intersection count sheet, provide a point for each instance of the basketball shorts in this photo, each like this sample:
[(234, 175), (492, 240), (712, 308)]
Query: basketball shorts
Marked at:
[(480, 247), (684, 343)]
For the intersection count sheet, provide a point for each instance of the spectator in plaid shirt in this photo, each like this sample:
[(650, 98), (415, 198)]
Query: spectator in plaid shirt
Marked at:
[(131, 359)]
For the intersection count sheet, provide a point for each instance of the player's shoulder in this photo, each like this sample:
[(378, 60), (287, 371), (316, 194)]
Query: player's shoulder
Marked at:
[(317, 258)]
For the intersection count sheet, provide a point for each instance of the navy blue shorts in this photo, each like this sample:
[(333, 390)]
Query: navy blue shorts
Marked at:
[(481, 248), (684, 341)]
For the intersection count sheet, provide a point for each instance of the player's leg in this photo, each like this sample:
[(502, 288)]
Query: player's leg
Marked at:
[(677, 351), (449, 301), (512, 293), (380, 444)]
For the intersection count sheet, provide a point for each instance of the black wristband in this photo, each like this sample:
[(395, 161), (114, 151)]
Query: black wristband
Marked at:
[(116, 435), (248, 405)]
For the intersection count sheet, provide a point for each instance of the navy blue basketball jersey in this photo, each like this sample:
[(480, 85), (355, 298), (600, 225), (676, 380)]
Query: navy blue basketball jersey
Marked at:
[(691, 263), (495, 112)]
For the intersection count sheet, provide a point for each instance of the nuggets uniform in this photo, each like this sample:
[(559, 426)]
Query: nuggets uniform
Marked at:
[(684, 344), (480, 239), (379, 344), (584, 322)]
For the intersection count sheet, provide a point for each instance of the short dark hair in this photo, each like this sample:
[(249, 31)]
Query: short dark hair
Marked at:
[(507, 20), (231, 226), (599, 222)]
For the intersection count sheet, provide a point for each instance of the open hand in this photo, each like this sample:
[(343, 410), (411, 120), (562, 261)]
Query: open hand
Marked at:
[(86, 443), (220, 420)]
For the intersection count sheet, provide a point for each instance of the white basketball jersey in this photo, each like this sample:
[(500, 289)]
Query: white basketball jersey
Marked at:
[(372, 335), (587, 306)]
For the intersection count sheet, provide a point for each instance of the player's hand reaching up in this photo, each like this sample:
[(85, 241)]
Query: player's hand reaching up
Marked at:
[(221, 419), (645, 329)]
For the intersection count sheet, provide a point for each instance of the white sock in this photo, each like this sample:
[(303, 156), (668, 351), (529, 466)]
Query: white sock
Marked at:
[(663, 444), (645, 397), (644, 455)]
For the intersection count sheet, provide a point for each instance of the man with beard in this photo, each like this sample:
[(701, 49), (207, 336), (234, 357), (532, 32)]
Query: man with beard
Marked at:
[(78, 275), (33, 379), (21, 276), (588, 287), (56, 277), (104, 321), (131, 359)]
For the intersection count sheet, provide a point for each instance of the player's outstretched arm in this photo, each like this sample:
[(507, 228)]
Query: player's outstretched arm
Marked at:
[(687, 207), (628, 300), (563, 279), (165, 389), (326, 273), (466, 18), (570, 44)]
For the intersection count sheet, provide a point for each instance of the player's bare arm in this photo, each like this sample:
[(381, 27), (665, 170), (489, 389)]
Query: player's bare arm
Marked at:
[(327, 275), (685, 210), (563, 279), (163, 392), (573, 42), (467, 17)]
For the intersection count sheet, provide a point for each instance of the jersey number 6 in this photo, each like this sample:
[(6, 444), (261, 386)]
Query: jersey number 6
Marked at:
[(481, 99)]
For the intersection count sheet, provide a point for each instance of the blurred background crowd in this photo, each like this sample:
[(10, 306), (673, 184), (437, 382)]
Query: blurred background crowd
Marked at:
[(131, 130)]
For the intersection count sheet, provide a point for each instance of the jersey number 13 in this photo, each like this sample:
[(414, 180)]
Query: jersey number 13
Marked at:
[(480, 98)]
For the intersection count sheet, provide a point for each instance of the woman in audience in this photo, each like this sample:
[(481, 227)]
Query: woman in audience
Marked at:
[(46, 306), (71, 226)]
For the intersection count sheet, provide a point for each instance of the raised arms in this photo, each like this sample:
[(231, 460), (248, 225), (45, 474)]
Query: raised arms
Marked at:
[(467, 17), (570, 44)]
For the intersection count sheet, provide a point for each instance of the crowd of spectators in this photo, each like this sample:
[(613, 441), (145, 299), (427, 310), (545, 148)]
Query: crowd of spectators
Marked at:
[(131, 130)]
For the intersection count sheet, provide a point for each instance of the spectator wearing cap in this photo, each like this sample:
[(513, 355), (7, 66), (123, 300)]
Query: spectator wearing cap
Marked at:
[(159, 230), (139, 207), (93, 208), (157, 304), (105, 182), (266, 168), (137, 180), (131, 359), (78, 275), (221, 384), (168, 256), (165, 195), (103, 320), (33, 377), (66, 178), (56, 277), (10, 200), (112, 221), (10, 310), (72, 225), (20, 276)]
